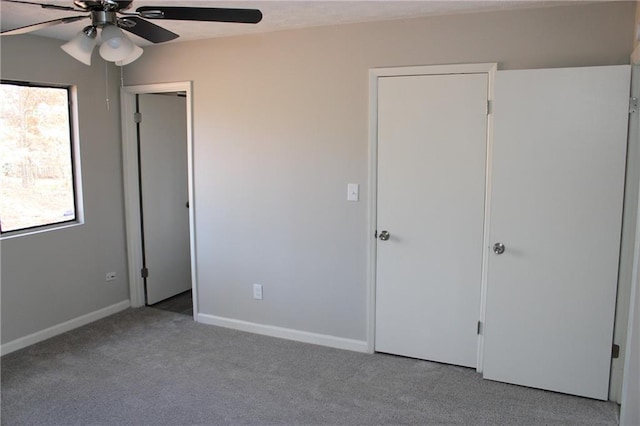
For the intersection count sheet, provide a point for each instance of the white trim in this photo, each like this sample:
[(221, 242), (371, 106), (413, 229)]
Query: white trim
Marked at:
[(627, 257), (285, 333), (39, 230), (375, 73), (131, 200), (132, 190), (487, 217), (629, 410), (55, 330), (77, 158), (434, 70), (372, 217)]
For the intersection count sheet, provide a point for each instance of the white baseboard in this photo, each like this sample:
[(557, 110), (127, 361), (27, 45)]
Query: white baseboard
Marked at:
[(285, 333), (47, 333)]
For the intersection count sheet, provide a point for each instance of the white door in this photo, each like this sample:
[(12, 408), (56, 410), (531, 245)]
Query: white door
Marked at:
[(431, 186), (164, 189), (557, 187)]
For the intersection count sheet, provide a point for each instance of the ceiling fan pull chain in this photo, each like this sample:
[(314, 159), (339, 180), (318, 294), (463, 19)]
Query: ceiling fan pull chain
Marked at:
[(106, 77)]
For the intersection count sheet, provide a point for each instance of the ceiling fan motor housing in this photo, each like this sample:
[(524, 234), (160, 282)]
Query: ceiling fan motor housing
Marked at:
[(100, 18)]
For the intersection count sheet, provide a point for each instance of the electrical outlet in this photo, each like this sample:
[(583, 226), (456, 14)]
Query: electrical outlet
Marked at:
[(110, 276), (257, 291)]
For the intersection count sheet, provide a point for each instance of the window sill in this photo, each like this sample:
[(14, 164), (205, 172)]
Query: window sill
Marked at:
[(48, 228)]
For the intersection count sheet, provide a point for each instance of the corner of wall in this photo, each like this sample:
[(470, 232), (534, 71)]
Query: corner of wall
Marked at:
[(635, 56)]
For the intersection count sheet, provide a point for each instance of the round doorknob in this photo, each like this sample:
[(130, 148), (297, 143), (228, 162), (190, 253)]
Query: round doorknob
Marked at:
[(384, 235), (498, 248)]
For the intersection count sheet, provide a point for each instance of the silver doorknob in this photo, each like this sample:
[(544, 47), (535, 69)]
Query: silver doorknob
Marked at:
[(384, 235), (498, 248)]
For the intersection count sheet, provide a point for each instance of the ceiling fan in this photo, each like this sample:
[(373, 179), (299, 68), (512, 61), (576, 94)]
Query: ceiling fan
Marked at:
[(111, 17)]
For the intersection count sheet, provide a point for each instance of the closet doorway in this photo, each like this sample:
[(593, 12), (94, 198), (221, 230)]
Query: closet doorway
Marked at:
[(541, 283), (158, 171), (164, 194), (431, 171)]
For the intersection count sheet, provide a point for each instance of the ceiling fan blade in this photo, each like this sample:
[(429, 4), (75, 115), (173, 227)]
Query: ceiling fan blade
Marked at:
[(45, 5), (147, 30), (35, 27), (243, 16)]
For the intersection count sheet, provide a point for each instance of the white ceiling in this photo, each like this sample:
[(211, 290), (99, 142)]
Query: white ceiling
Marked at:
[(277, 15)]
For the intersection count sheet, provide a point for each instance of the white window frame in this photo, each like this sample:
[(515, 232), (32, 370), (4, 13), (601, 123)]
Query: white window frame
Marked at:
[(76, 168)]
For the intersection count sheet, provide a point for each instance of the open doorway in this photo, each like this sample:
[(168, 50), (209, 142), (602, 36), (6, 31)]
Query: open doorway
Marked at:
[(158, 173), (161, 120)]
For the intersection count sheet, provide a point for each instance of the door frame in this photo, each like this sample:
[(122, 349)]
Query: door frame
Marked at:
[(130, 163), (374, 74)]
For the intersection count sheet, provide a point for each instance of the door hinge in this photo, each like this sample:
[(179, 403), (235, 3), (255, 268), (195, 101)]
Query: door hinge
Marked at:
[(144, 272), (633, 105), (615, 351), (479, 327), (489, 105), (137, 117), (375, 234)]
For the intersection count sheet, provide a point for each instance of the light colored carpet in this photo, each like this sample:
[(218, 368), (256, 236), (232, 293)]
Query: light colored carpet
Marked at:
[(150, 367)]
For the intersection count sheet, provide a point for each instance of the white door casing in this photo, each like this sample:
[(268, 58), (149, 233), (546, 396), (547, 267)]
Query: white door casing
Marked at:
[(164, 188), (558, 178), (431, 152)]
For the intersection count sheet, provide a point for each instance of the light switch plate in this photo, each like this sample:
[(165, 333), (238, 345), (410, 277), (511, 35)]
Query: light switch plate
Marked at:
[(353, 190)]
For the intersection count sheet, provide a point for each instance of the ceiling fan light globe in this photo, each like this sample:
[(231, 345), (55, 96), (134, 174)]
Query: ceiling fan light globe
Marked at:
[(115, 43), (137, 52), (80, 47), (116, 46)]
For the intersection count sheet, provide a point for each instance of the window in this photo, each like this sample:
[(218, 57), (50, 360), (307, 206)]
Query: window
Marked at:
[(37, 183)]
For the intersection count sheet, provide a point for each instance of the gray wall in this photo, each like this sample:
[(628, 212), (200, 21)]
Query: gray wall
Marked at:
[(59, 275), (281, 127)]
